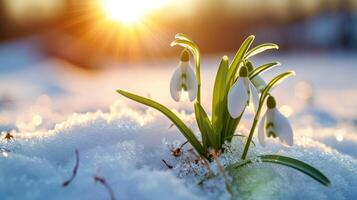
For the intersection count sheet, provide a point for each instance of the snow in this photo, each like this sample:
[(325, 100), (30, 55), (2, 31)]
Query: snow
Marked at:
[(126, 147), (52, 110)]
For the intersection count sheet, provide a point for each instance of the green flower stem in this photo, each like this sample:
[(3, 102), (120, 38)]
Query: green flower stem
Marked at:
[(264, 95), (198, 77), (251, 133)]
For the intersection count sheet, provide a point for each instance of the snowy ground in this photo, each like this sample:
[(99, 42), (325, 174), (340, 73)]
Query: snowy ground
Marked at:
[(126, 143)]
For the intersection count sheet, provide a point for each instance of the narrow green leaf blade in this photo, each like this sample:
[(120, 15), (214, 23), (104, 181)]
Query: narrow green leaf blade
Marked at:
[(219, 90), (290, 162), (238, 57), (168, 113), (262, 69), (201, 127), (275, 81), (230, 124), (206, 126), (298, 165), (260, 48)]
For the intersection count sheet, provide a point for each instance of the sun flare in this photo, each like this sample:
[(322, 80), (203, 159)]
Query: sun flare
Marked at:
[(132, 11)]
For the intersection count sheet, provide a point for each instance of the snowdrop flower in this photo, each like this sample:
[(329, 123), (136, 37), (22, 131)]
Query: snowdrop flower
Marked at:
[(274, 124), (242, 93), (183, 81), (257, 81)]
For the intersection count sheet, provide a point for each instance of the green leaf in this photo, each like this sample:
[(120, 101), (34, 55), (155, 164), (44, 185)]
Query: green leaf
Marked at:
[(218, 103), (201, 127), (205, 126), (290, 162), (275, 81), (168, 113), (238, 58), (232, 125), (262, 68), (260, 48)]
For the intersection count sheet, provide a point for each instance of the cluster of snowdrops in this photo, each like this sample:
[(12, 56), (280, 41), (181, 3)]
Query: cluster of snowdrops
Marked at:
[(238, 87)]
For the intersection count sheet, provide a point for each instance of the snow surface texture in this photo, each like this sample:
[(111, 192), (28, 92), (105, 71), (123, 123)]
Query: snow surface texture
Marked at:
[(127, 147), (38, 97)]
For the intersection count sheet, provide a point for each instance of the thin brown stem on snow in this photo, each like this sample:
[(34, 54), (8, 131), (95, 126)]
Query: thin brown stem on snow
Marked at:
[(75, 169), (167, 165), (101, 180)]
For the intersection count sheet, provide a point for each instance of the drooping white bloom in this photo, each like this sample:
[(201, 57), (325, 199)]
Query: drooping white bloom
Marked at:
[(274, 124), (241, 94), (257, 81), (183, 81)]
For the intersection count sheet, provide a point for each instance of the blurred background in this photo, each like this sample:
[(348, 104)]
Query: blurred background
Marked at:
[(58, 57), (74, 30)]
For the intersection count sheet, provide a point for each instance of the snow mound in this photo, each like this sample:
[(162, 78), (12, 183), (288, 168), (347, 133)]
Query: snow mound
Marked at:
[(127, 147)]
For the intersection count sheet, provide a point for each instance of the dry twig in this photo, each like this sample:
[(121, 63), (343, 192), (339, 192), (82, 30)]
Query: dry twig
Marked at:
[(177, 152), (75, 169), (8, 136), (167, 165), (101, 180)]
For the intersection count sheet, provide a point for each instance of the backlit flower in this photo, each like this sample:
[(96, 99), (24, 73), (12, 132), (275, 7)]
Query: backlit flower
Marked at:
[(183, 81), (274, 124), (241, 94), (257, 81)]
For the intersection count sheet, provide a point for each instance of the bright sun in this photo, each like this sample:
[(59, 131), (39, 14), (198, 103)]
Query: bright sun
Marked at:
[(130, 11)]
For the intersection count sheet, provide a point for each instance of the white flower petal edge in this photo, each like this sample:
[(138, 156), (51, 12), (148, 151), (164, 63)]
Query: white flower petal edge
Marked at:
[(283, 128), (175, 84), (237, 98), (191, 83), (259, 83), (273, 122), (254, 97), (261, 130)]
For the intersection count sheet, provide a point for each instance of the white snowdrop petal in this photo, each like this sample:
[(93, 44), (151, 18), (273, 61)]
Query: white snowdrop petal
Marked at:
[(259, 82), (175, 84), (237, 98), (270, 115), (283, 128), (254, 97), (191, 83), (261, 130)]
